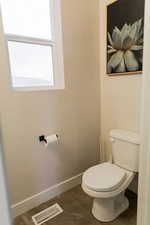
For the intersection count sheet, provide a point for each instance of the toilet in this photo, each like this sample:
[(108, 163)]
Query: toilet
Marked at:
[(107, 182)]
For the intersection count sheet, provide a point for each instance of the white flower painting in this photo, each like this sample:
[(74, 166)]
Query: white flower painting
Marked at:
[(125, 43), (125, 48)]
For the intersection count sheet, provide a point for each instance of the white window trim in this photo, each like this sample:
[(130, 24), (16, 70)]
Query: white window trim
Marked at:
[(57, 49), (17, 38), (57, 35)]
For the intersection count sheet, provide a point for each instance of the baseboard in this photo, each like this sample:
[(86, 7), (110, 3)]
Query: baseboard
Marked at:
[(35, 200)]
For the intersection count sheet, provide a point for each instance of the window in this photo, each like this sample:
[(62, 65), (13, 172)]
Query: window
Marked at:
[(34, 39)]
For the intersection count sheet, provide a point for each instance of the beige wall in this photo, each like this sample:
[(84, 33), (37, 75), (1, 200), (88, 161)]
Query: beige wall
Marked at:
[(120, 96), (73, 113)]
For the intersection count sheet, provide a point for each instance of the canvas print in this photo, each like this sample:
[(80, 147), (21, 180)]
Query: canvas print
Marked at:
[(125, 32)]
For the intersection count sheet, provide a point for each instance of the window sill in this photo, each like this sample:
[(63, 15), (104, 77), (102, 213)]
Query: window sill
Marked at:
[(39, 88)]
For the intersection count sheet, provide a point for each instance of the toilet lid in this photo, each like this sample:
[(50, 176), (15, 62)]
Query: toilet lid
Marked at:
[(104, 177)]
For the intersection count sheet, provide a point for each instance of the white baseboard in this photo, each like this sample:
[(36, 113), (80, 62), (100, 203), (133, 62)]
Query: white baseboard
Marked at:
[(35, 200)]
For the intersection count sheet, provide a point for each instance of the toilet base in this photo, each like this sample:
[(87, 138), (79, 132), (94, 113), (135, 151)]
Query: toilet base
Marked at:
[(106, 210)]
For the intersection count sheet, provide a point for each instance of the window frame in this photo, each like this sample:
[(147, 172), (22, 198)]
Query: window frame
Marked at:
[(56, 43)]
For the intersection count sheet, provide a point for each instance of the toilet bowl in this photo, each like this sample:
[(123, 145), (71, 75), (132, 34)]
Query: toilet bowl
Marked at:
[(109, 199), (107, 182)]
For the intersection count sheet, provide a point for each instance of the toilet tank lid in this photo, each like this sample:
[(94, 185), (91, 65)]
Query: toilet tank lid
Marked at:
[(125, 135)]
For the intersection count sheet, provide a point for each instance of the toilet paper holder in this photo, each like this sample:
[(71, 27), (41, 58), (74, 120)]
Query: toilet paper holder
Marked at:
[(42, 138)]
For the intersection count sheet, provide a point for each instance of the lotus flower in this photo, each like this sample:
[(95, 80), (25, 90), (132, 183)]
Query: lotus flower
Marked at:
[(125, 48)]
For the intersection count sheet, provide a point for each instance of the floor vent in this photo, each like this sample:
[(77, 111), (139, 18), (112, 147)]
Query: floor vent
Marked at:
[(47, 214)]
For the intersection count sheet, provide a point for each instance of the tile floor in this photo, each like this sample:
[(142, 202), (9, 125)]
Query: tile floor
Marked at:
[(77, 211)]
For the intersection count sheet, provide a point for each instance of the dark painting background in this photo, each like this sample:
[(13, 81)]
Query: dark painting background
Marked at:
[(124, 11)]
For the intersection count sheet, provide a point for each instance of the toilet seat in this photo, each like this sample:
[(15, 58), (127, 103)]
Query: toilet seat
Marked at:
[(104, 177)]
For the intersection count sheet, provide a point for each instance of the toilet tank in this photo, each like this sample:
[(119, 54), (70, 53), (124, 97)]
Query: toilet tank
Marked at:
[(125, 149)]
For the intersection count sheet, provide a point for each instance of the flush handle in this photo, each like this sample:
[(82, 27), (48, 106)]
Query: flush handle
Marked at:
[(112, 139)]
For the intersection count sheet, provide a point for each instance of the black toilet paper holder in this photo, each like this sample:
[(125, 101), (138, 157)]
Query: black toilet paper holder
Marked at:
[(43, 138)]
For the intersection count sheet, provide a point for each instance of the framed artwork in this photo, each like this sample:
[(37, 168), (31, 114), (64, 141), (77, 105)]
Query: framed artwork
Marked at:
[(125, 32)]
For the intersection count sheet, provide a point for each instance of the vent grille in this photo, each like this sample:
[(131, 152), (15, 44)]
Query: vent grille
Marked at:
[(47, 214)]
